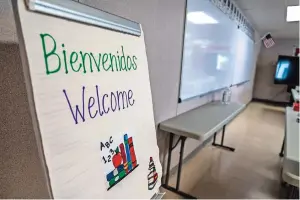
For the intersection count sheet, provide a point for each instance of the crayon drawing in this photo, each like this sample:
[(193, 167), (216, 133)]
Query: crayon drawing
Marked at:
[(152, 176), (119, 160)]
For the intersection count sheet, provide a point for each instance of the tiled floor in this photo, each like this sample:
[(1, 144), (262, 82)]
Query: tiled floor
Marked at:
[(252, 171)]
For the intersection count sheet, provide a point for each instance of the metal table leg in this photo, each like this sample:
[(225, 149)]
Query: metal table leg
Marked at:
[(282, 148), (166, 184), (169, 159), (222, 141)]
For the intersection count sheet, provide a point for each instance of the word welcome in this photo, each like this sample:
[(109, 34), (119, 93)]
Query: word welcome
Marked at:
[(57, 60), (99, 104)]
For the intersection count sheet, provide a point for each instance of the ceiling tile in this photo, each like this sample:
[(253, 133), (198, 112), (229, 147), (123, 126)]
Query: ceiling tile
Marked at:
[(270, 16)]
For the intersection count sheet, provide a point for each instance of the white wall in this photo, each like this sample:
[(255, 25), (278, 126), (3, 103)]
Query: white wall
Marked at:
[(266, 66)]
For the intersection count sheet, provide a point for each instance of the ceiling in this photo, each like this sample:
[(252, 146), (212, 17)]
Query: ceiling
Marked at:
[(265, 15), (269, 16)]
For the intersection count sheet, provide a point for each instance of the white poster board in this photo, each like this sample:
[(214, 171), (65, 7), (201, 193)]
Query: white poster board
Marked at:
[(93, 106)]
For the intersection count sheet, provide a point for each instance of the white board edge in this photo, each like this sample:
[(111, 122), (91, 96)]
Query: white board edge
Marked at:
[(78, 12)]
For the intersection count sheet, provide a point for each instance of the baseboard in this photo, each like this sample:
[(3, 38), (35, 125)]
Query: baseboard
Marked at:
[(271, 102)]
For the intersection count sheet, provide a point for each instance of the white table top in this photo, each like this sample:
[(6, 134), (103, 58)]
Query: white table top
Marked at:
[(200, 123), (296, 95), (290, 173), (292, 135)]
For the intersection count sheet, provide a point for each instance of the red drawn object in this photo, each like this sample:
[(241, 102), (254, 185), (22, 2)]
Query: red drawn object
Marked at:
[(117, 159), (123, 153), (133, 158), (296, 106), (155, 176), (132, 152)]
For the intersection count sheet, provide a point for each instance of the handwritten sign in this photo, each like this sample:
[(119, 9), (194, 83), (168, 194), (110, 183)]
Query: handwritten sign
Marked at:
[(93, 106), (98, 104)]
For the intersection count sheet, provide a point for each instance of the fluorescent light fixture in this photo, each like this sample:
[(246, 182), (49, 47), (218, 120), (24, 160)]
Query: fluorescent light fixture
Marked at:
[(200, 18), (293, 13)]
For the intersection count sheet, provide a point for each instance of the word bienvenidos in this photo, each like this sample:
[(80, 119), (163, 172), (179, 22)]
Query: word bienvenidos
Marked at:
[(83, 61)]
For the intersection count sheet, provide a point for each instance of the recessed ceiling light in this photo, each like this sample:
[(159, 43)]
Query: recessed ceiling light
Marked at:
[(200, 18), (293, 14)]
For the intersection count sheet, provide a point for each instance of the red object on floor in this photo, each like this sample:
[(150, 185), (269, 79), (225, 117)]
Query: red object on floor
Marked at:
[(296, 106)]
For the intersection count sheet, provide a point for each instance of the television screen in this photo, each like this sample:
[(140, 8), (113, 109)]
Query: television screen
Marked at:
[(287, 71)]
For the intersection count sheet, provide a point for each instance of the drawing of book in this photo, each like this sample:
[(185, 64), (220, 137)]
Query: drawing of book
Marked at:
[(124, 160)]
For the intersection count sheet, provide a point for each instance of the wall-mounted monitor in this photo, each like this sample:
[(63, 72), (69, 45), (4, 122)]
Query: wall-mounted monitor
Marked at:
[(287, 70)]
